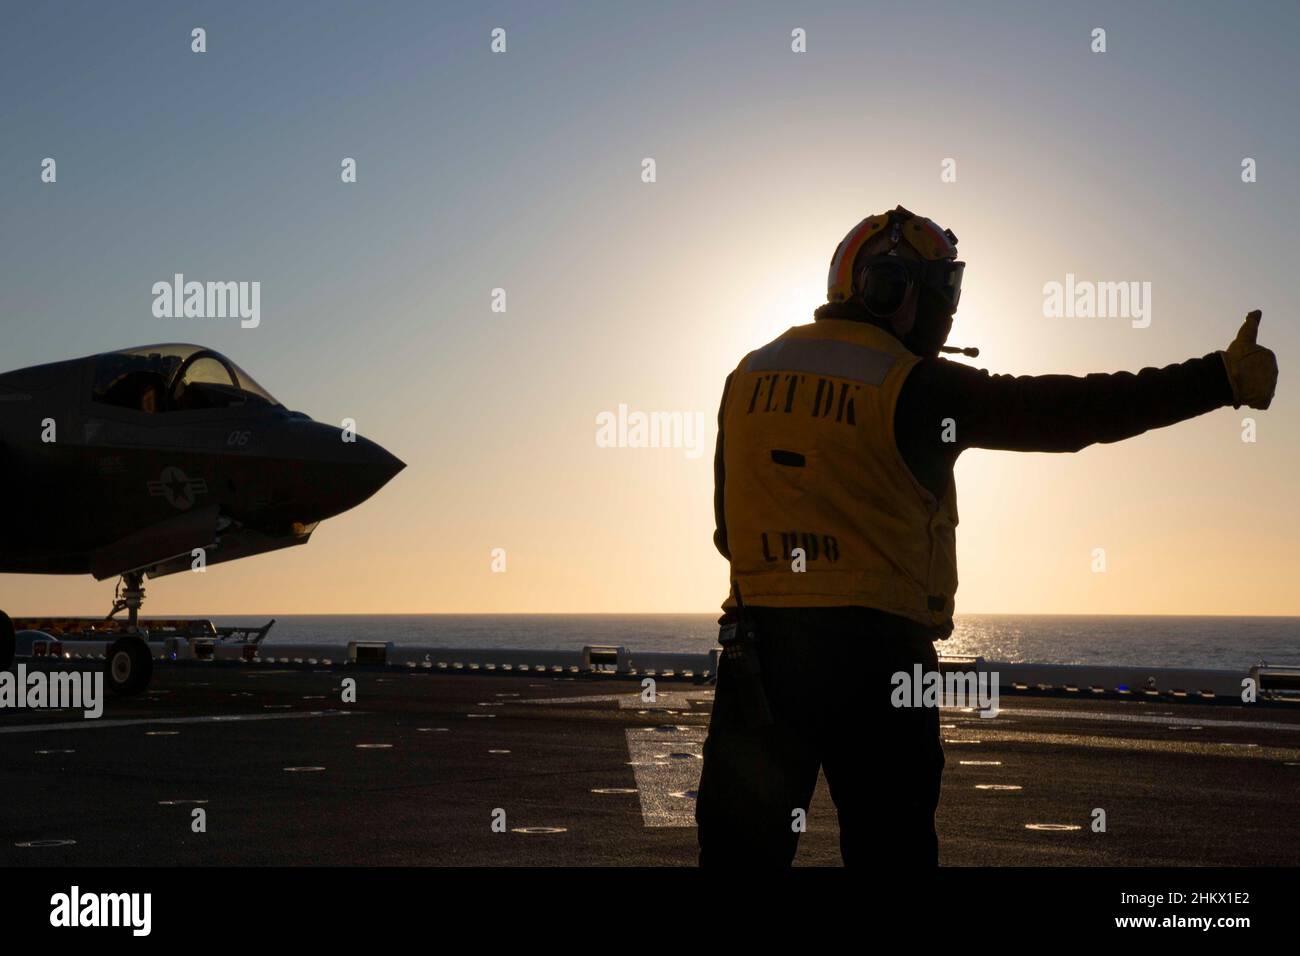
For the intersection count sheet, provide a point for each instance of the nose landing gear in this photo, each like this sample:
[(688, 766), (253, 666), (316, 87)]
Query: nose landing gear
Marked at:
[(129, 597), (130, 661)]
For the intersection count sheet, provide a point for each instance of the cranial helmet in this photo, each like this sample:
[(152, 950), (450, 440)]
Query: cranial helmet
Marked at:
[(887, 259)]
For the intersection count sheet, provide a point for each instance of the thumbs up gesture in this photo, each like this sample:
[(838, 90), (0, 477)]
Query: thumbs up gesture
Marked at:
[(1252, 369)]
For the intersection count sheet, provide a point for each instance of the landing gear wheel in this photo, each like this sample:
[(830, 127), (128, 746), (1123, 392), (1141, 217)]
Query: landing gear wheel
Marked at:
[(8, 641), (130, 666)]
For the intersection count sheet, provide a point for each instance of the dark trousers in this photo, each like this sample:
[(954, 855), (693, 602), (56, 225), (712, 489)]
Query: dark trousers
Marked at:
[(827, 674)]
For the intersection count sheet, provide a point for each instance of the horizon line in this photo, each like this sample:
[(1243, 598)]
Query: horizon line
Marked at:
[(165, 616)]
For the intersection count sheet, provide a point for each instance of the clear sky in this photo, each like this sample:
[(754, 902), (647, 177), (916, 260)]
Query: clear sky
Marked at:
[(523, 171)]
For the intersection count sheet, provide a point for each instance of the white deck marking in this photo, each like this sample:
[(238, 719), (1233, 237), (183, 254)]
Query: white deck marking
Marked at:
[(1142, 719), (664, 700), (136, 722), (678, 700), (662, 779), (1208, 749), (665, 783)]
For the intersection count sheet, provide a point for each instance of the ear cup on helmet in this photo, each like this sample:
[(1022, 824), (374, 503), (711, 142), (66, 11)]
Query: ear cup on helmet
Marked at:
[(883, 285)]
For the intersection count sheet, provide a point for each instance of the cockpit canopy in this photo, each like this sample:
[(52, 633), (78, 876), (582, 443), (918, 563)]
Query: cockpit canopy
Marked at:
[(174, 378)]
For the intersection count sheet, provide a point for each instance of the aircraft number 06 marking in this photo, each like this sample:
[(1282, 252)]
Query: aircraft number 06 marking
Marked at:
[(238, 439)]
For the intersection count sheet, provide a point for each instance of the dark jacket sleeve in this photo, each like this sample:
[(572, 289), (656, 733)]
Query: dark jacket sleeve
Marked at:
[(719, 482), (1046, 413)]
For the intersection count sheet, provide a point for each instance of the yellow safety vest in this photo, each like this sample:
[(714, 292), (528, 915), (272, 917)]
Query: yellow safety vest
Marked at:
[(811, 463)]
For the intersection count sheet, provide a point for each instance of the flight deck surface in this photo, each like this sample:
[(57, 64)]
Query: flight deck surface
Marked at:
[(417, 769)]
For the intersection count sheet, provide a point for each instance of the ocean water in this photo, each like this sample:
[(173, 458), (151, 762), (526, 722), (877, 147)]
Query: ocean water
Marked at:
[(1056, 639)]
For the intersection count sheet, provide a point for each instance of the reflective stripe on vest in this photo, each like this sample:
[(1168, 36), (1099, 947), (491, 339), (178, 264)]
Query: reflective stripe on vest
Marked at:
[(820, 508), (828, 357)]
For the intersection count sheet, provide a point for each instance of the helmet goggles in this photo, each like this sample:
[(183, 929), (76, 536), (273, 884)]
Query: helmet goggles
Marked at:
[(884, 280)]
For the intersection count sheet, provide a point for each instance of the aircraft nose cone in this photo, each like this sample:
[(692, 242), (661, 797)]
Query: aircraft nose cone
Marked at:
[(329, 470), (377, 464), (385, 465)]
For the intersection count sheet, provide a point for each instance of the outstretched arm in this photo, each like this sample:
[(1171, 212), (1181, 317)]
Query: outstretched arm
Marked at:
[(1065, 413), (1061, 412)]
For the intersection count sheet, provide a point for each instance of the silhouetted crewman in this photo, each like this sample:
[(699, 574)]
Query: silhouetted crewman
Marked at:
[(835, 505)]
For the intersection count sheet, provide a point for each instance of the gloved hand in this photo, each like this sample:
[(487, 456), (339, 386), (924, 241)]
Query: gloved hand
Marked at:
[(1252, 369)]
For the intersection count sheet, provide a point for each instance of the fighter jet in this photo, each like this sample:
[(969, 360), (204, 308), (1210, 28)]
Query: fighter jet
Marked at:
[(159, 459)]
